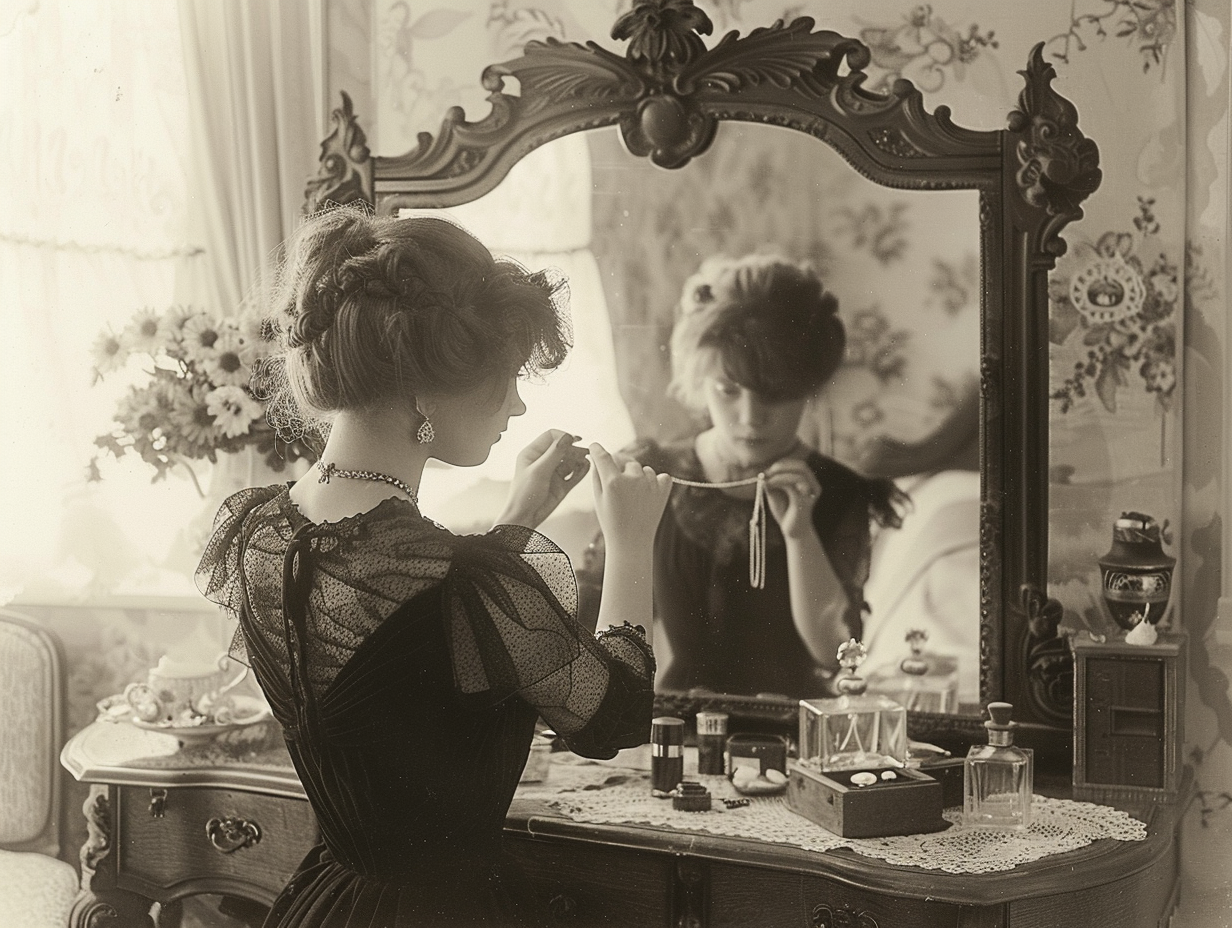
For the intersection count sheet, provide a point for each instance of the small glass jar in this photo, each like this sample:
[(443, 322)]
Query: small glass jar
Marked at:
[(711, 738), (761, 752)]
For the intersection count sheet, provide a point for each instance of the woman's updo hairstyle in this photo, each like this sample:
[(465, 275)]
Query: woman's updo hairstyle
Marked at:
[(767, 321), (373, 308)]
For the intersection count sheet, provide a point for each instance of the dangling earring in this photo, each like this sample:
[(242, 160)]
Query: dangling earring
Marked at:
[(426, 433)]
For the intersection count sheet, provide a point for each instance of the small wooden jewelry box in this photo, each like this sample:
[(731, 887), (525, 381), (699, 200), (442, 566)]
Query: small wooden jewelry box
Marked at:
[(1129, 708), (871, 803)]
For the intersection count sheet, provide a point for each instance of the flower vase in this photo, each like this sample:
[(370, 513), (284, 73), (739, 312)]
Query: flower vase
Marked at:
[(237, 470), (232, 472)]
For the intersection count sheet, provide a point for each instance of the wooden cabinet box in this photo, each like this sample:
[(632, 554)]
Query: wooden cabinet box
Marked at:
[(1128, 718)]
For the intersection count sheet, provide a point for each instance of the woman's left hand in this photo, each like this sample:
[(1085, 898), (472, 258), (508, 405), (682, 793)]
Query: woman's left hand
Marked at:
[(793, 492), (546, 470)]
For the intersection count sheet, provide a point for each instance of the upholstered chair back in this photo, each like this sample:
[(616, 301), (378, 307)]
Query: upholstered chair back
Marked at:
[(31, 734)]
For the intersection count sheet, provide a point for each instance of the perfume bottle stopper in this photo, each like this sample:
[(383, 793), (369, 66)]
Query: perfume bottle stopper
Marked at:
[(850, 656), (915, 665), (1000, 717)]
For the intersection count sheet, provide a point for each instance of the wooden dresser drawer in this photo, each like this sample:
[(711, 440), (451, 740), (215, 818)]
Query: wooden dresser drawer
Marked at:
[(572, 883), (210, 840), (747, 896)]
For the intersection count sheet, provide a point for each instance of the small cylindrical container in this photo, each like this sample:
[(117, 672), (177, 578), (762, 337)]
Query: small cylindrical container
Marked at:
[(666, 755), (711, 738)]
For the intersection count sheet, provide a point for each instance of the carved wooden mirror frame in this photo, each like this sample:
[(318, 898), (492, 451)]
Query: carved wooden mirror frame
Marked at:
[(668, 95)]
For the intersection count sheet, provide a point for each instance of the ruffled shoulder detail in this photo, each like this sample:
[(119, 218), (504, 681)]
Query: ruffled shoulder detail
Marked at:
[(363, 568), (511, 607), (218, 575), (509, 596)]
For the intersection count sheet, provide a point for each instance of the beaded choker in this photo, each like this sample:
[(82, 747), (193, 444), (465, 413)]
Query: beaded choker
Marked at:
[(331, 470)]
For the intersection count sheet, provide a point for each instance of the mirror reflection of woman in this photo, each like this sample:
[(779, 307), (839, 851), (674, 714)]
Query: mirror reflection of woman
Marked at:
[(754, 338), (408, 665)]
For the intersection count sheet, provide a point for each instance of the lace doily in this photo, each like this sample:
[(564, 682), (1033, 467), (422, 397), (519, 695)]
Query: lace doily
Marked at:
[(598, 794)]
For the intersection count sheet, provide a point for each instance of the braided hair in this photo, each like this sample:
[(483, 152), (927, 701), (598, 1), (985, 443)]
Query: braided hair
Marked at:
[(371, 308)]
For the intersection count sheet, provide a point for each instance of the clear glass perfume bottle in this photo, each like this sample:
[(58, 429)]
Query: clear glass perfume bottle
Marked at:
[(854, 730), (922, 681), (998, 777)]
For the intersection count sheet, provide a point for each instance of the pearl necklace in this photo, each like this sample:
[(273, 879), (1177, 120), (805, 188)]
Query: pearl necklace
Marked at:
[(331, 470), (757, 522)]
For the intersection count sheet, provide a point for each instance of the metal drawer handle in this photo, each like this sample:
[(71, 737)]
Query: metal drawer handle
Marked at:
[(826, 917), (230, 834)]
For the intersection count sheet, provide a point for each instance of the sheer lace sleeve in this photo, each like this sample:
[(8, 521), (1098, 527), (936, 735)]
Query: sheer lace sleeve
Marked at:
[(509, 610), (511, 604), (218, 574)]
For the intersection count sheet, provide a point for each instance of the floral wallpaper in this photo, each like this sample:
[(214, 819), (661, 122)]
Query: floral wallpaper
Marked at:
[(1137, 303), (903, 265)]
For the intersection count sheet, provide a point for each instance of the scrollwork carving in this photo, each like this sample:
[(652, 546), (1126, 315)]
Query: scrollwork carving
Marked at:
[(99, 904), (668, 95), (825, 916), (97, 810), (663, 35), (1049, 663), (1058, 167), (94, 914), (345, 172), (893, 142)]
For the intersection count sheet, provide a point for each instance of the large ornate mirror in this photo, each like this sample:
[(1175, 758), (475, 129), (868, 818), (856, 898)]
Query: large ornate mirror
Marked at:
[(833, 167)]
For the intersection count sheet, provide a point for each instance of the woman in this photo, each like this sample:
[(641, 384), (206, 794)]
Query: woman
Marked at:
[(754, 338), (407, 665)]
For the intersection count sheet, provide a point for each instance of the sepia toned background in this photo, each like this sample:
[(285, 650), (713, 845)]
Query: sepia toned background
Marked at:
[(1137, 418)]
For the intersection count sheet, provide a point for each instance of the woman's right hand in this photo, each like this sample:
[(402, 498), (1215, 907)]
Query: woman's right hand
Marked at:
[(629, 498)]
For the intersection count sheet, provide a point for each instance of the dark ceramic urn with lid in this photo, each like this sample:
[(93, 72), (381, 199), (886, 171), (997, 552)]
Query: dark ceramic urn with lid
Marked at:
[(1136, 573)]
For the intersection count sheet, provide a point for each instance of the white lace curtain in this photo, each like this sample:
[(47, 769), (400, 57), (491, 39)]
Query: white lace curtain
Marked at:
[(155, 153), (93, 135)]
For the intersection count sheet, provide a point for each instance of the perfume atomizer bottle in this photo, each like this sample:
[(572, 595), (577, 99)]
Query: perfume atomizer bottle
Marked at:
[(666, 755), (998, 777)]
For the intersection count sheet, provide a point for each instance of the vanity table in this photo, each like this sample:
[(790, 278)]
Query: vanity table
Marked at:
[(163, 823), (232, 820)]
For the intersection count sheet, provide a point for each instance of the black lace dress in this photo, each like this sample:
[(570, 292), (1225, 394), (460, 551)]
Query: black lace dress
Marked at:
[(408, 666)]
